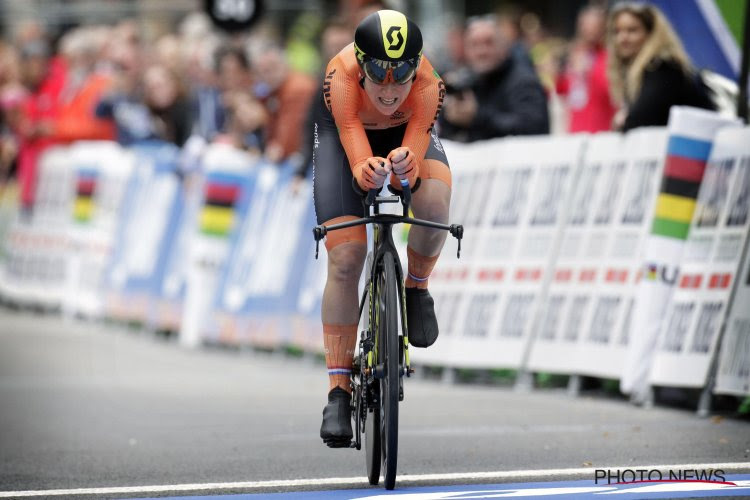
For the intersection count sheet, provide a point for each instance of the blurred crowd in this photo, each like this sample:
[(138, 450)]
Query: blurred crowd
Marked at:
[(504, 74)]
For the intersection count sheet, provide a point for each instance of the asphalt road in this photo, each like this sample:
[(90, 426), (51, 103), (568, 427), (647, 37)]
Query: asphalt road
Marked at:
[(86, 405)]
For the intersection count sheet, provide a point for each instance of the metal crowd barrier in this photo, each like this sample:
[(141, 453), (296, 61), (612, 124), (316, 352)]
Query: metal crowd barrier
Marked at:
[(561, 269)]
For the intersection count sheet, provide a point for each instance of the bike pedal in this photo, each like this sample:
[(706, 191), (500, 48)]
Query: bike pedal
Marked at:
[(338, 443)]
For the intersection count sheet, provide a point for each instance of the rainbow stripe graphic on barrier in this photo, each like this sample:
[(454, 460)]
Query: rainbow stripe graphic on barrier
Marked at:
[(83, 206), (683, 172), (220, 196)]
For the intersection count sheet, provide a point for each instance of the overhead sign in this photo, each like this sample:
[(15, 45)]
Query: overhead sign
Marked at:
[(234, 15)]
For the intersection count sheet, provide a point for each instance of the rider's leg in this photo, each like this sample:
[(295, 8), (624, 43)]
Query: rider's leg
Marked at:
[(340, 312), (336, 201), (430, 202), (346, 255)]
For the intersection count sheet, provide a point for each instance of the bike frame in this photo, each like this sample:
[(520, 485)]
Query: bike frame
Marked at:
[(383, 242)]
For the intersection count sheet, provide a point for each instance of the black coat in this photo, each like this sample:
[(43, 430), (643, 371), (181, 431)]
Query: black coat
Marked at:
[(665, 85), (511, 102)]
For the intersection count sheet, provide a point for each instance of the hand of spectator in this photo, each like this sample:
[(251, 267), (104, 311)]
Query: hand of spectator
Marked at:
[(249, 113), (372, 172), (39, 129), (274, 153), (460, 110), (404, 164), (618, 121)]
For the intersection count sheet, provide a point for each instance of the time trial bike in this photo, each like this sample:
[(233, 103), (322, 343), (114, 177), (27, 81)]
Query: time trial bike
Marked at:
[(382, 360)]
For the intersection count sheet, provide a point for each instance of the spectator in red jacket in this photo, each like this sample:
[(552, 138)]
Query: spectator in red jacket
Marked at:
[(44, 77), (583, 81)]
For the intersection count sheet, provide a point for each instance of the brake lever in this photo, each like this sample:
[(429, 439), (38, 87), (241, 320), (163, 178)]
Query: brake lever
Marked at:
[(319, 232), (457, 230)]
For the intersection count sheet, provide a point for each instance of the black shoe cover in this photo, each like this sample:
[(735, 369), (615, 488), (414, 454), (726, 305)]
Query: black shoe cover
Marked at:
[(420, 317), (336, 430)]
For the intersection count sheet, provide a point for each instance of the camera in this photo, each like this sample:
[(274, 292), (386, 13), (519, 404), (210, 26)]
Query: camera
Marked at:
[(457, 82)]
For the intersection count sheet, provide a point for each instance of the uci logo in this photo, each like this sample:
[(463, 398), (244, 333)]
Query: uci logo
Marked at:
[(395, 37)]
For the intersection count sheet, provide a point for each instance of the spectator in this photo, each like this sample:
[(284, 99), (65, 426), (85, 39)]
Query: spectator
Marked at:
[(583, 81), (286, 96), (497, 96), (168, 106), (145, 105), (448, 52), (238, 117), (200, 47), (123, 103), (44, 77), (649, 71), (509, 23), (336, 35), (84, 87), (245, 121), (12, 95), (168, 53)]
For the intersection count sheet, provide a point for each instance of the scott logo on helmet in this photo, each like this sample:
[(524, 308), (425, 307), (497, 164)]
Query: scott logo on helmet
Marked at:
[(396, 38)]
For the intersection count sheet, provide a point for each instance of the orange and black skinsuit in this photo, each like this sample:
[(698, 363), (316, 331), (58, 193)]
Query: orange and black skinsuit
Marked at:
[(348, 130)]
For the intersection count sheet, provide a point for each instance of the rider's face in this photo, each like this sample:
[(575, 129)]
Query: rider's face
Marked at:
[(388, 97)]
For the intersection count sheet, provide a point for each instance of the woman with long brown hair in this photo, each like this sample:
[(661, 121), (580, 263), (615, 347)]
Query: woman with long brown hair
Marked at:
[(649, 71)]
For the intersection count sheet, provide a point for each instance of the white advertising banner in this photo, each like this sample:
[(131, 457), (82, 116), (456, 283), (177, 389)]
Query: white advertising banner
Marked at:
[(509, 195), (591, 291), (733, 375), (227, 171), (151, 199), (691, 133), (709, 264), (102, 171), (35, 264)]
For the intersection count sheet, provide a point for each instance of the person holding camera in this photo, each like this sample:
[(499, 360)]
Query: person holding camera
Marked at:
[(495, 95)]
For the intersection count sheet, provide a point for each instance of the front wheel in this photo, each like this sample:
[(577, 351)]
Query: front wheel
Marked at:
[(370, 393), (388, 356), (372, 446)]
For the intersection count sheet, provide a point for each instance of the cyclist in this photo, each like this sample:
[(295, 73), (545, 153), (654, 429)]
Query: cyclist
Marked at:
[(380, 100)]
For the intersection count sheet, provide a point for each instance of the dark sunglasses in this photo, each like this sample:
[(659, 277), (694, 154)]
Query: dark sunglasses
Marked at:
[(382, 72)]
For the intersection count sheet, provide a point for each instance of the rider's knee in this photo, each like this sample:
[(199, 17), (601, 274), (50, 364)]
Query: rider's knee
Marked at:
[(345, 262), (356, 234), (434, 208)]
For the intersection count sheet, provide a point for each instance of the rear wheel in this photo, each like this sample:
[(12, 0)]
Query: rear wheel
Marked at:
[(388, 354)]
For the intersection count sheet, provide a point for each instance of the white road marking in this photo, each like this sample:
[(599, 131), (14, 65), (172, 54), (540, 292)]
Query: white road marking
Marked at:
[(467, 494), (559, 474)]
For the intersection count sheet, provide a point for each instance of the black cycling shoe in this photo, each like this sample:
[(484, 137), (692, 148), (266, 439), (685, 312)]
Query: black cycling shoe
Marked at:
[(420, 317), (336, 430)]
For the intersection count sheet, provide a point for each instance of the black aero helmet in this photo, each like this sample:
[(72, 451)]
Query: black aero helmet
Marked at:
[(388, 47)]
